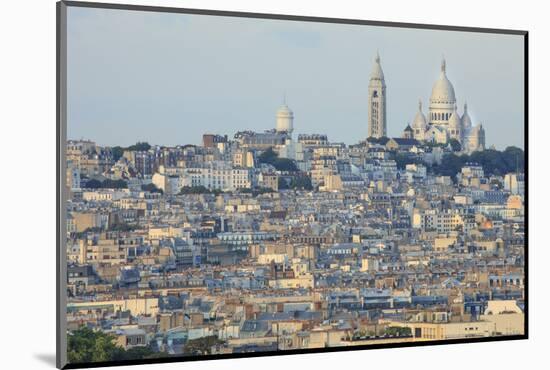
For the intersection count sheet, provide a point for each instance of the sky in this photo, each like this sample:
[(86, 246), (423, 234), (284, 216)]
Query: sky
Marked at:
[(169, 78)]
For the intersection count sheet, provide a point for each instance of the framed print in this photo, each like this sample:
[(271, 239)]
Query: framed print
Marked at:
[(237, 184)]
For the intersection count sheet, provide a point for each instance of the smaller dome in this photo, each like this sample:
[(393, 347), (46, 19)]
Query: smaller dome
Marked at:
[(284, 111), (284, 119), (420, 119), (454, 120), (466, 121)]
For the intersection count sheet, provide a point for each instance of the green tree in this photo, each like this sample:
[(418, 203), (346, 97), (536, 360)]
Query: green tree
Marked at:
[(117, 152), (86, 345), (285, 164), (494, 162), (194, 190), (114, 184), (455, 145), (283, 183), (282, 164), (515, 158), (139, 147), (151, 188), (403, 159), (199, 190), (122, 226), (201, 346), (262, 190), (94, 184), (106, 184), (300, 182), (451, 164), (267, 156), (398, 331), (138, 353)]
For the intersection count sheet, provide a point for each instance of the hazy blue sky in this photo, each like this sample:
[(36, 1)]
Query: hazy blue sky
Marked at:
[(169, 78)]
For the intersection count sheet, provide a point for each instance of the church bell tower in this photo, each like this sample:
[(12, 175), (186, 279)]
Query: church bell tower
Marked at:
[(377, 101)]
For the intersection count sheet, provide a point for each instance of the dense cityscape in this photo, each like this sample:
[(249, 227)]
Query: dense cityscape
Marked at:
[(270, 241)]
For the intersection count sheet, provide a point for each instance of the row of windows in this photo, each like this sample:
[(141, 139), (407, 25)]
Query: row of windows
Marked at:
[(440, 116)]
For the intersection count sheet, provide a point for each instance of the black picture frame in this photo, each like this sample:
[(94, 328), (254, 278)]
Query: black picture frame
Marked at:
[(61, 197)]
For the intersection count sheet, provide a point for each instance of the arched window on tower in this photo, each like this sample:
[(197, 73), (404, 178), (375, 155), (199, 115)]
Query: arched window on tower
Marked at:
[(375, 94)]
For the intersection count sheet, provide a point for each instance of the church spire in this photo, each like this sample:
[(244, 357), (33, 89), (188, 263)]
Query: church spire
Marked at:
[(377, 73), (443, 65), (377, 100)]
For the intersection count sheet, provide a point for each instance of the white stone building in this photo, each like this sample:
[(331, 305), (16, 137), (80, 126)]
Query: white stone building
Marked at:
[(444, 122)]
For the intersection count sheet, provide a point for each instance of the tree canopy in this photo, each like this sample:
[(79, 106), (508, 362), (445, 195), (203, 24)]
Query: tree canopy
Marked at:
[(86, 345), (398, 331), (455, 145), (198, 190), (201, 346), (122, 226), (281, 164), (403, 159), (494, 162), (151, 188), (301, 182), (256, 191), (106, 184), (139, 147), (118, 151)]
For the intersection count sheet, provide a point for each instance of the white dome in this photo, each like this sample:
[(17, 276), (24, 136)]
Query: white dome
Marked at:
[(420, 119), (284, 111), (466, 121), (377, 73), (454, 119), (443, 90), (285, 118)]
